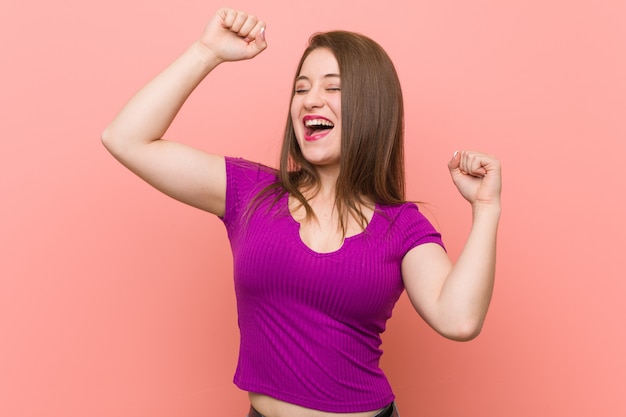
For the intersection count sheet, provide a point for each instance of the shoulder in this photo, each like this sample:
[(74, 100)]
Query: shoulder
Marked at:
[(242, 168), (408, 225), (245, 176), (404, 212)]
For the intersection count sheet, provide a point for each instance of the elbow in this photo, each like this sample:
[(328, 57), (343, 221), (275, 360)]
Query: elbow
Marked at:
[(113, 142), (107, 139), (464, 331), (466, 335)]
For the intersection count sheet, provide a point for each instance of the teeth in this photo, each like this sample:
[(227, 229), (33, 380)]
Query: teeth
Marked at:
[(318, 122)]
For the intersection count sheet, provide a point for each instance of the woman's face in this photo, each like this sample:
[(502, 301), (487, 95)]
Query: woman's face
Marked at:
[(316, 109)]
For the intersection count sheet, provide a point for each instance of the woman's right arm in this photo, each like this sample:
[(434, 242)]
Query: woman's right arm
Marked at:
[(134, 136)]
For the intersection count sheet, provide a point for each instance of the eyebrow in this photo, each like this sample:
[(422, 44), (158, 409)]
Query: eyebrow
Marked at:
[(304, 77)]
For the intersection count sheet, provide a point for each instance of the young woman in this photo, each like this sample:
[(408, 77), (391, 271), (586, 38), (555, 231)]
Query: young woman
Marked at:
[(323, 246)]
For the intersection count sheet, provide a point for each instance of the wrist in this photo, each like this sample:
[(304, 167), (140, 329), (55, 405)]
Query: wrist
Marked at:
[(492, 210), (206, 55)]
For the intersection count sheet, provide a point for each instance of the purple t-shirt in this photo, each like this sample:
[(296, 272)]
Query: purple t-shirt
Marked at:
[(310, 322)]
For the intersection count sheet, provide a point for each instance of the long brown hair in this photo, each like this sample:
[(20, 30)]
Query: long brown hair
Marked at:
[(372, 135)]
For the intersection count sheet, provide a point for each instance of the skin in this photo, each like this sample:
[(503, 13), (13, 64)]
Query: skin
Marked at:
[(452, 297), (318, 96)]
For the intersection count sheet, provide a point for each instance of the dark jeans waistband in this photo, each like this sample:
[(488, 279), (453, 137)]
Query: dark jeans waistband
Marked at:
[(389, 411)]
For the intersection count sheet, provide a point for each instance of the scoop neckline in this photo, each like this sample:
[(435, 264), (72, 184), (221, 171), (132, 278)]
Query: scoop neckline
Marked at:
[(346, 240)]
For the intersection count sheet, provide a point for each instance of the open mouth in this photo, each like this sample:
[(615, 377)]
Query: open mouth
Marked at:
[(316, 127)]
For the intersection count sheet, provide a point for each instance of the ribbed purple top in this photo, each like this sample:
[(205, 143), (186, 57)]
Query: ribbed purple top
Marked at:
[(310, 323)]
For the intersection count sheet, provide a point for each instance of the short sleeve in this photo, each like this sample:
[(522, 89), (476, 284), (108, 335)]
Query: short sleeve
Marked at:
[(244, 181), (415, 229)]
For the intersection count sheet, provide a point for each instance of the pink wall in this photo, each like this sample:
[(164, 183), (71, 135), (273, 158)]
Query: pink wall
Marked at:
[(116, 301)]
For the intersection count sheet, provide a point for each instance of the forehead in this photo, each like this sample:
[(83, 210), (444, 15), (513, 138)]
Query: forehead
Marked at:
[(319, 63)]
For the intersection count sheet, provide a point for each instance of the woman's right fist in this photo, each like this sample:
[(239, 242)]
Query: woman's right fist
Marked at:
[(233, 35)]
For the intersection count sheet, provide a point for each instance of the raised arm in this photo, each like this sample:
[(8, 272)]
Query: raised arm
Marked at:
[(134, 136), (454, 299)]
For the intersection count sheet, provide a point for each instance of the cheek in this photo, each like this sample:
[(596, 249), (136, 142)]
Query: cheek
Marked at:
[(338, 107)]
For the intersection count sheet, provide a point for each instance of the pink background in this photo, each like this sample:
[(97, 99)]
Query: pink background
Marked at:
[(116, 301)]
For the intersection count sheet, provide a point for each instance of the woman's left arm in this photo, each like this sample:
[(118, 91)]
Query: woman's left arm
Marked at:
[(454, 298)]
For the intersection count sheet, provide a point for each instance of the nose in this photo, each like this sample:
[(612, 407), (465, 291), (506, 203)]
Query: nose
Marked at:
[(313, 99)]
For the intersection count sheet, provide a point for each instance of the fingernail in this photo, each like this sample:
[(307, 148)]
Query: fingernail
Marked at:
[(263, 33), (455, 154)]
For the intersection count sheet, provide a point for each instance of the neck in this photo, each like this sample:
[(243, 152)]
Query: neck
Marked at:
[(327, 186)]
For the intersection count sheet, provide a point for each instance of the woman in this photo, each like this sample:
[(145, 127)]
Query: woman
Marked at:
[(324, 246)]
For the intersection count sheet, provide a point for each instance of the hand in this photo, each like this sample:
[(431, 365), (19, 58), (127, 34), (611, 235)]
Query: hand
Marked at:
[(477, 177), (233, 35)]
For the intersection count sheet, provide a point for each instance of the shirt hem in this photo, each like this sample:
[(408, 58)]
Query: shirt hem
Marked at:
[(331, 407)]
